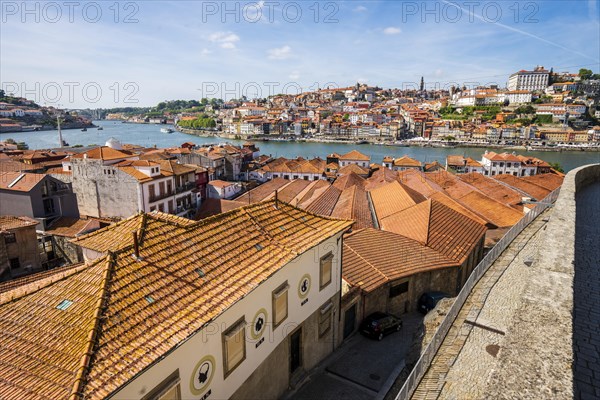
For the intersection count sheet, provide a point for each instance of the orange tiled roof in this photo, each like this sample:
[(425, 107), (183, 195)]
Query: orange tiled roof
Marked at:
[(353, 169), (406, 161), (392, 198), (493, 189), (437, 226), (349, 180), (8, 222), (355, 155), (325, 203), (263, 191), (497, 213), (18, 181), (104, 153), (372, 258), (547, 181), (71, 227), (81, 349), (353, 204), (380, 177), (535, 191)]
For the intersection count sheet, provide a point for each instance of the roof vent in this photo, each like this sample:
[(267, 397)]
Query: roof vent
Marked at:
[(64, 305)]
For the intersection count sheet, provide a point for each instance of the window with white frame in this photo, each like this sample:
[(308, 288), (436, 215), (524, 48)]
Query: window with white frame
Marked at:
[(234, 346), (280, 304)]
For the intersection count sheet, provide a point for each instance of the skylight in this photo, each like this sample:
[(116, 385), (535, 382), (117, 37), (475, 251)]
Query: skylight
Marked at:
[(258, 247), (64, 305), (200, 273), (149, 299)]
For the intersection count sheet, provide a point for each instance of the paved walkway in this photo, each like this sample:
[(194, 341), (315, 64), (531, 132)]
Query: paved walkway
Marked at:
[(480, 356), (362, 368), (586, 285)]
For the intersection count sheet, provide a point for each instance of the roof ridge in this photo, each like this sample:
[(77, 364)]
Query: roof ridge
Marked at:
[(86, 357)]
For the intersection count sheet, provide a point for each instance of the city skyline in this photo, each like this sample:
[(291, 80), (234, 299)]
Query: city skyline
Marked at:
[(138, 54)]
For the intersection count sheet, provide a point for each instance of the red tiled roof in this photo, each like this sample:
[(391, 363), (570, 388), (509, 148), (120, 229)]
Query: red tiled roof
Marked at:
[(372, 258)]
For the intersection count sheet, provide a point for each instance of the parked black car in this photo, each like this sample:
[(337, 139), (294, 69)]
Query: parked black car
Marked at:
[(429, 300), (379, 324)]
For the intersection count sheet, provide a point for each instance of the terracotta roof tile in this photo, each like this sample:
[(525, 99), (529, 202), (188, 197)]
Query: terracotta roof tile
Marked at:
[(489, 209), (355, 155), (19, 181), (263, 191), (437, 226), (493, 189), (535, 191), (8, 222), (109, 317), (392, 198), (547, 181), (372, 258)]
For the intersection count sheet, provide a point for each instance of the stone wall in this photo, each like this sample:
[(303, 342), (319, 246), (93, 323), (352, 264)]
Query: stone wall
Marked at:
[(443, 280)]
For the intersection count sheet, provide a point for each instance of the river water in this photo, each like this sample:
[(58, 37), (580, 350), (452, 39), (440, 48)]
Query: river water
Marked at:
[(150, 135)]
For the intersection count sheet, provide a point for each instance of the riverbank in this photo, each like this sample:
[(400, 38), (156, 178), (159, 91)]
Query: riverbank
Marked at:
[(387, 143), (149, 135)]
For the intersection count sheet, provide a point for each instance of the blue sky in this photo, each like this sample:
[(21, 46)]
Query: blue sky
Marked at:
[(153, 51)]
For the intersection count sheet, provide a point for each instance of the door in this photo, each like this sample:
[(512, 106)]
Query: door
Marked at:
[(349, 320), (295, 350)]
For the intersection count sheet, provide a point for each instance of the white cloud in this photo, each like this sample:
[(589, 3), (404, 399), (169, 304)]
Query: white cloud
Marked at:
[(205, 52), (438, 73), (295, 75), (226, 40), (280, 53), (360, 9), (391, 30)]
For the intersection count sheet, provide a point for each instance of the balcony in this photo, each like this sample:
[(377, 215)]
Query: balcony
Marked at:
[(157, 197), (185, 187)]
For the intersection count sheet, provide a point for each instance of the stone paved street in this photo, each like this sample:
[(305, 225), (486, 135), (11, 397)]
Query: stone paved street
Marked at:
[(586, 316), (362, 368)]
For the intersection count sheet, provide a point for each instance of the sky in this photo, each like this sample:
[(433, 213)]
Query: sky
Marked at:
[(104, 54)]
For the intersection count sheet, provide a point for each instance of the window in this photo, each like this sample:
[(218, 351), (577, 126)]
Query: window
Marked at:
[(325, 273), (280, 304), (325, 319), (14, 263), (10, 237), (399, 289), (169, 389), (234, 346)]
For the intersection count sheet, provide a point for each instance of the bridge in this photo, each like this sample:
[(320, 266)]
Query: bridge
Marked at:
[(527, 322)]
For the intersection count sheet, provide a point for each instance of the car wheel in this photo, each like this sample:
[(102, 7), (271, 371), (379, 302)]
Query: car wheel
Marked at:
[(380, 336)]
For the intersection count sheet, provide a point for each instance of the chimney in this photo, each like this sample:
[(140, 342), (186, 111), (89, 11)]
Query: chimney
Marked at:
[(276, 200), (136, 246)]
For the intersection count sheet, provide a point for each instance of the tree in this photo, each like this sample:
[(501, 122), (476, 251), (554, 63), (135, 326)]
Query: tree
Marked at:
[(2, 94), (585, 73), (557, 166)]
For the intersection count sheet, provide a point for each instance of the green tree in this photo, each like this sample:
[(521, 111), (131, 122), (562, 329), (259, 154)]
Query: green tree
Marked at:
[(585, 73), (557, 166)]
